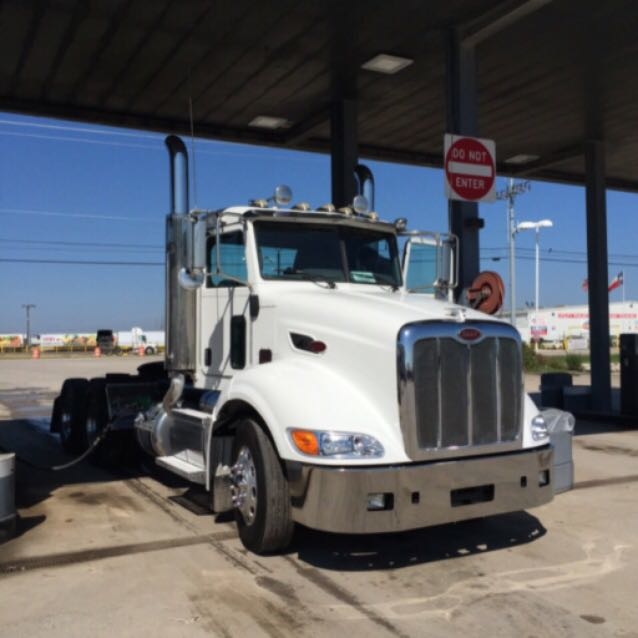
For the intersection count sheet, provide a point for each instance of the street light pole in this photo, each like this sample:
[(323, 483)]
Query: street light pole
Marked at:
[(538, 270), (511, 227), (536, 226), (27, 307)]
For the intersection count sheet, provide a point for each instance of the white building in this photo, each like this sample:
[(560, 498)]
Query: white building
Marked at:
[(563, 322)]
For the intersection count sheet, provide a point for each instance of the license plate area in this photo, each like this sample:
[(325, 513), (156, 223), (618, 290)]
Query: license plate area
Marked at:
[(472, 495)]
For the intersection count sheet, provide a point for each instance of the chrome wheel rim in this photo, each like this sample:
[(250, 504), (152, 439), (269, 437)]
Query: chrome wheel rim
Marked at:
[(244, 485)]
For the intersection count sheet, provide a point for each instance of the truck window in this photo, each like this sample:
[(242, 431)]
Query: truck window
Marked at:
[(422, 267), (232, 260), (338, 253), (372, 258)]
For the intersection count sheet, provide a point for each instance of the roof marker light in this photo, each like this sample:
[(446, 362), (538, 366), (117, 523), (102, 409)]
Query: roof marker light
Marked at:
[(361, 205), (283, 195)]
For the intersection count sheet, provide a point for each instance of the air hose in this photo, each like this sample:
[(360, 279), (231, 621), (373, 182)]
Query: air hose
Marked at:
[(56, 468)]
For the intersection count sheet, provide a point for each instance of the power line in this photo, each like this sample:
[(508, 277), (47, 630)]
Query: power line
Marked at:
[(83, 262), (53, 213), (80, 129), (308, 155), (81, 243), (161, 263), (554, 251), (82, 140), (557, 260)]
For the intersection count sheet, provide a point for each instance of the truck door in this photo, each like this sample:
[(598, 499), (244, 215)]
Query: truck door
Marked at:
[(224, 324)]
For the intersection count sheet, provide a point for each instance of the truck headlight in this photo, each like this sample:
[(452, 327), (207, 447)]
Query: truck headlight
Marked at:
[(341, 445), (539, 428)]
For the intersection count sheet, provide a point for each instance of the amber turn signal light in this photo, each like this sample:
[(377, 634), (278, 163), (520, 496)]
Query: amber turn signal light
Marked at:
[(305, 441)]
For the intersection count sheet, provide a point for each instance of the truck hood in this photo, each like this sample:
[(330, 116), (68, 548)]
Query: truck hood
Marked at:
[(353, 383), (360, 312)]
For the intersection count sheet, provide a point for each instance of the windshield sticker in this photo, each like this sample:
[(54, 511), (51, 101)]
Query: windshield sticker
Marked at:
[(362, 276)]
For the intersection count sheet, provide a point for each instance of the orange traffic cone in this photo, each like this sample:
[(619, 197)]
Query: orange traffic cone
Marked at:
[(140, 351), (97, 352), (35, 353)]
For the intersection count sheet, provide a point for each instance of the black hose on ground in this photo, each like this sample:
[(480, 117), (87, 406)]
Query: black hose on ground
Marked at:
[(56, 468)]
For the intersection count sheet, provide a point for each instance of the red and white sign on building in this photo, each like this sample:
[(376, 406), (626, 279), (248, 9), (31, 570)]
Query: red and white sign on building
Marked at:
[(470, 168)]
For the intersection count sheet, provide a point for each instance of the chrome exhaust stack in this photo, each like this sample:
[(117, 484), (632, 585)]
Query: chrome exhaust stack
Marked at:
[(185, 265), (364, 181)]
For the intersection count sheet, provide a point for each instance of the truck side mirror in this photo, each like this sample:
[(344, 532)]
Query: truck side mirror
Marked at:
[(429, 263), (192, 275)]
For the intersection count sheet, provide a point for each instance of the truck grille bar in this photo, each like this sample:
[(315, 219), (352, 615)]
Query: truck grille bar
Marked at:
[(459, 397)]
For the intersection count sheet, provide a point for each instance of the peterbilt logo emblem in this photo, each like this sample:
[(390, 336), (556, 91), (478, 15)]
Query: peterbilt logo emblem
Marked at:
[(470, 334)]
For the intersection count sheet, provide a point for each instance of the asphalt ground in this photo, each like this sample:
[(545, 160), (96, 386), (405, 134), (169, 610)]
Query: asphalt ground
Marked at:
[(136, 552)]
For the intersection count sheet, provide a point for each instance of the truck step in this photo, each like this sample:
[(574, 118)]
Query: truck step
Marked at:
[(192, 473)]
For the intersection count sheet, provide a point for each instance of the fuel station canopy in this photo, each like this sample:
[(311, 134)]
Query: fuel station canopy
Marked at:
[(550, 74)]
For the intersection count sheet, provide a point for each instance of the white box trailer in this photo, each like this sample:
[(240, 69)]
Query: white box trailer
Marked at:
[(306, 381), (136, 339)]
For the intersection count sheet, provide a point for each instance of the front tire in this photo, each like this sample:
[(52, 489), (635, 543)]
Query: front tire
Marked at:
[(260, 492)]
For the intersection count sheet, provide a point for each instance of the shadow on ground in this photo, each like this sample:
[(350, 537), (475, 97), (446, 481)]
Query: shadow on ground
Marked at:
[(323, 550), (586, 427), (390, 551)]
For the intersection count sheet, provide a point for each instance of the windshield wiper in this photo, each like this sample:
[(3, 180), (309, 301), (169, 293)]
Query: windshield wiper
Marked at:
[(383, 280), (317, 279)]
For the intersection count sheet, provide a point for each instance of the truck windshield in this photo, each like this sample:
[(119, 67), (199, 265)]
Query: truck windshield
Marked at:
[(332, 253)]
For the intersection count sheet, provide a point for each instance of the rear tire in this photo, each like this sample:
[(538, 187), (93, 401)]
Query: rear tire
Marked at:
[(263, 516), (72, 404), (55, 416)]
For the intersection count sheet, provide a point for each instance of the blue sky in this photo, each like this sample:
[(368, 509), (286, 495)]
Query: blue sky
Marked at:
[(66, 189)]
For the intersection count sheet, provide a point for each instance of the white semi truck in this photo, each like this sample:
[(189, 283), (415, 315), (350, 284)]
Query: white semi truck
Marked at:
[(311, 378), (121, 341)]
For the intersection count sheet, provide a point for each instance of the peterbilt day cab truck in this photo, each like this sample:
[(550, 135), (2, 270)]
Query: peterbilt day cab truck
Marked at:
[(311, 378)]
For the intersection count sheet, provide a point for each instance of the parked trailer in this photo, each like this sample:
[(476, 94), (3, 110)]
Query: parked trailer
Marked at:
[(304, 382)]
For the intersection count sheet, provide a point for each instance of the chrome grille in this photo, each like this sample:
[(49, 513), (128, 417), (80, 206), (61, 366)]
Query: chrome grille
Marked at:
[(456, 395)]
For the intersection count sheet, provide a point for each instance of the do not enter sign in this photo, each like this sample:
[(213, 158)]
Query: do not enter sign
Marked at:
[(470, 168)]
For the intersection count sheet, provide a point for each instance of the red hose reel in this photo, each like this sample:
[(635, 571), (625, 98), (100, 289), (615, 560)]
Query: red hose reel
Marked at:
[(487, 292)]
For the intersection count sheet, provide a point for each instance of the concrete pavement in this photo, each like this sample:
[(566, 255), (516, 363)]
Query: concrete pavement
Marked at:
[(136, 553)]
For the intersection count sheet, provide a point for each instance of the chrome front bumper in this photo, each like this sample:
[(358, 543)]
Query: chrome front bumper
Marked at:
[(335, 499)]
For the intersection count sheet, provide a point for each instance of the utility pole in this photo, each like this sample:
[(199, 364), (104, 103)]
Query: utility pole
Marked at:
[(27, 307), (510, 194)]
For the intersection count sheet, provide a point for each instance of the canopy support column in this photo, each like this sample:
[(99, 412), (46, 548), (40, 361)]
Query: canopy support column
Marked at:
[(343, 150), (597, 275), (461, 119)]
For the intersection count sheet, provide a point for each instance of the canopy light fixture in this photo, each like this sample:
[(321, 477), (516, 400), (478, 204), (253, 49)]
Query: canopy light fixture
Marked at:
[(521, 158), (386, 63), (269, 121)]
